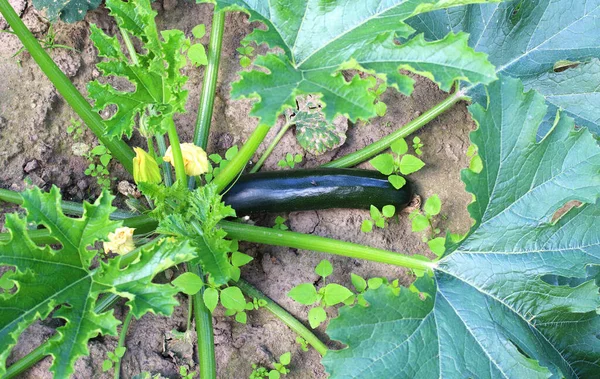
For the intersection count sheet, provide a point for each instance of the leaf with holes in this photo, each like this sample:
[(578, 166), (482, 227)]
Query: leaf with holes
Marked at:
[(314, 133), (67, 10), (515, 298), (158, 83), (59, 280), (528, 40), (320, 39)]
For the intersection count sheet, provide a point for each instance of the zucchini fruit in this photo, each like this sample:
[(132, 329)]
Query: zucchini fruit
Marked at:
[(314, 189)]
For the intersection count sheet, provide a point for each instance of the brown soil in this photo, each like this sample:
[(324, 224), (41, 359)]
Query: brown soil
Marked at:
[(34, 145)]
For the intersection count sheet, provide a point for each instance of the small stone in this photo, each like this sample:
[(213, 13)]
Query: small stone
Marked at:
[(127, 189), (30, 166), (82, 184)]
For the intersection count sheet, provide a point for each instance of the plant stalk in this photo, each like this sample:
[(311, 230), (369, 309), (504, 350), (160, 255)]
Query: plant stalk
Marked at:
[(375, 148), (162, 149), (284, 316), (269, 236), (176, 150), (237, 164), (204, 329), (129, 44), (271, 147), (73, 97), (209, 84), (121, 343)]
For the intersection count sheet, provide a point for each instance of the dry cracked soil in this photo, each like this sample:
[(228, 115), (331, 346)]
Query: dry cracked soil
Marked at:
[(35, 148)]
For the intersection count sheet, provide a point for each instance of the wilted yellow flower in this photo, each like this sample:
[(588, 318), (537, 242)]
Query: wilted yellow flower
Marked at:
[(145, 168), (120, 242), (194, 159)]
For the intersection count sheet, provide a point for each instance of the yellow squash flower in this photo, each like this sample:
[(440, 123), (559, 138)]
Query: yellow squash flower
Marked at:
[(194, 159), (145, 168), (120, 241)]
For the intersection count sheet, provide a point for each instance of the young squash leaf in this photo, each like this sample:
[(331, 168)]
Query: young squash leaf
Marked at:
[(529, 40), (319, 40), (157, 79), (60, 281), (495, 307)]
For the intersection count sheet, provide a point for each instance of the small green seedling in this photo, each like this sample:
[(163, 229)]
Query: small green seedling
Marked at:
[(280, 368), (422, 221), (113, 357), (380, 106), (378, 218), (220, 162), (48, 43), (290, 160), (280, 223), (302, 342), (196, 52), (99, 158), (75, 129), (397, 163), (246, 53), (418, 146), (185, 372), (327, 296)]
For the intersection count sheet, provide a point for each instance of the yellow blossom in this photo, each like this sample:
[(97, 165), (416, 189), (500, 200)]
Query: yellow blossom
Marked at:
[(194, 159), (120, 242), (145, 168)]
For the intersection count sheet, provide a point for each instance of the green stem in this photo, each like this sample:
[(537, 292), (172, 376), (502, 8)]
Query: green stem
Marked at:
[(237, 164), (204, 330), (209, 85), (271, 147), (375, 148), (284, 316), (188, 325), (132, 53), (270, 236), (176, 150), (73, 97), (122, 337), (162, 150)]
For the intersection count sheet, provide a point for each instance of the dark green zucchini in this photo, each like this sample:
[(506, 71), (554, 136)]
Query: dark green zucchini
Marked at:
[(302, 190)]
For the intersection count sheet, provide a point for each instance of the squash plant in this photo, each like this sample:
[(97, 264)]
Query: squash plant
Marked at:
[(517, 296)]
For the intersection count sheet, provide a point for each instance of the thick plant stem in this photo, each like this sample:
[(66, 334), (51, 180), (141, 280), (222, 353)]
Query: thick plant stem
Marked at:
[(204, 330), (269, 236), (237, 164), (122, 338), (271, 147), (373, 149), (284, 316), (176, 151), (162, 149), (73, 97), (132, 53)]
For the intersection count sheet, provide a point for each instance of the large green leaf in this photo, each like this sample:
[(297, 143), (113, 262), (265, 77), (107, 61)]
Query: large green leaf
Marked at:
[(158, 83), (61, 281), (500, 302), (526, 39), (67, 10), (320, 38)]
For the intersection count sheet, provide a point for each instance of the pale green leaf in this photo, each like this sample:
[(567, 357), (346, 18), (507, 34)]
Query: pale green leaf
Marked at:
[(324, 268), (232, 298), (514, 298), (366, 226), (188, 283), (397, 181), (383, 163), (433, 205), (211, 298), (388, 211), (316, 316), (335, 294), (410, 164), (358, 282), (399, 147), (304, 293)]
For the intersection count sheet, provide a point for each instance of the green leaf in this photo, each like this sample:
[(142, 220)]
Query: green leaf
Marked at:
[(241, 317), (399, 147), (375, 283), (419, 223), (157, 79), (374, 212), (528, 40), (397, 181), (273, 374), (380, 109), (384, 163), (363, 39), (197, 54), (304, 293), (68, 11), (107, 365), (240, 259), (188, 283), (324, 268), (335, 294), (437, 245), (232, 298), (409, 164), (211, 298), (514, 297), (433, 205), (316, 316), (358, 282), (199, 31), (366, 226), (120, 351), (60, 282), (388, 211), (285, 358)]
